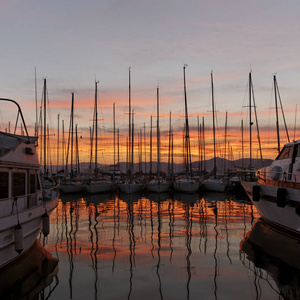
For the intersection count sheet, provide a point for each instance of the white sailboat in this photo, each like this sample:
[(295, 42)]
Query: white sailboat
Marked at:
[(24, 205), (158, 184), (130, 184), (97, 183), (71, 184), (213, 183), (186, 183)]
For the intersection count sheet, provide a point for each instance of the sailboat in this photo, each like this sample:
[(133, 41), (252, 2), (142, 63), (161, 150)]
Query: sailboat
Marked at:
[(186, 183), (158, 185), (71, 184), (97, 183), (130, 184), (213, 183), (275, 192)]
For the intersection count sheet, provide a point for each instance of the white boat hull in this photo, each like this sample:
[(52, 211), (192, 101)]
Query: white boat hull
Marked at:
[(284, 217), (214, 185), (186, 186), (130, 188), (31, 222)]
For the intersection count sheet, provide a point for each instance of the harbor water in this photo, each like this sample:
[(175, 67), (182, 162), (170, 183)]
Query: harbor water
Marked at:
[(160, 246)]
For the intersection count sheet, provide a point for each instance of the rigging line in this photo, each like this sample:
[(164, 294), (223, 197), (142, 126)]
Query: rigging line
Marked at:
[(254, 105), (287, 133)]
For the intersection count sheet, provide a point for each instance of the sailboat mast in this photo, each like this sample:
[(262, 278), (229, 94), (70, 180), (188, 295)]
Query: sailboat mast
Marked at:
[(225, 143), (150, 145), (158, 137), (276, 109), (250, 120), (45, 126), (169, 154), (203, 142), (36, 106), (132, 142), (278, 94), (214, 126), (187, 134), (57, 158), (63, 143), (96, 128), (77, 150), (145, 148), (118, 149), (130, 163), (72, 132), (242, 128), (114, 126), (295, 123), (199, 144)]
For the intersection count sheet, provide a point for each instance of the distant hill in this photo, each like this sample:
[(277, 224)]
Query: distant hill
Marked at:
[(221, 164)]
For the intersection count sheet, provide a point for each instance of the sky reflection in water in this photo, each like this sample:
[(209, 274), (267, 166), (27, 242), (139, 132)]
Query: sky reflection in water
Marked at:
[(154, 247)]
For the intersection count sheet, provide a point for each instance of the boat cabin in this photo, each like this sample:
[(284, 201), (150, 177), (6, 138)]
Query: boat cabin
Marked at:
[(19, 172), (286, 166)]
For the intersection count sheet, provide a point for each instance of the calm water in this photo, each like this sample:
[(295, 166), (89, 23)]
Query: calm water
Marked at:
[(156, 247)]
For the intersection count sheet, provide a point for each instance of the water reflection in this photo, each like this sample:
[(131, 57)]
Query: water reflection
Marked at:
[(275, 260), (151, 247), (30, 277)]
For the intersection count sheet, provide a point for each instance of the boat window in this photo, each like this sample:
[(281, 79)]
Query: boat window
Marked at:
[(32, 184), (298, 154), (38, 186), (3, 185), (285, 153), (18, 184)]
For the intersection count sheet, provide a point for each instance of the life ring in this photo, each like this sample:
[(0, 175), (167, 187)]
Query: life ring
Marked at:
[(275, 173), (256, 193), (281, 197)]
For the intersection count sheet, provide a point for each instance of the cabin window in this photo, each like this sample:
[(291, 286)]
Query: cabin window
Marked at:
[(18, 184), (286, 153), (38, 186), (32, 189), (3, 185)]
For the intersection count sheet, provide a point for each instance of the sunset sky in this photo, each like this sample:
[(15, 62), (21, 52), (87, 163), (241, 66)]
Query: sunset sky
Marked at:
[(74, 43)]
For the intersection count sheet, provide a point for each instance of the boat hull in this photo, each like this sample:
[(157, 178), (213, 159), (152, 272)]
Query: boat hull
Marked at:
[(31, 222), (71, 187), (214, 185), (158, 187), (186, 186), (130, 188), (95, 187), (269, 207)]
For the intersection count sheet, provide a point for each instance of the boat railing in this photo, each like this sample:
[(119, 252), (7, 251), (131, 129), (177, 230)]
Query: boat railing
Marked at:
[(19, 114), (276, 175), (247, 175), (16, 204), (50, 193)]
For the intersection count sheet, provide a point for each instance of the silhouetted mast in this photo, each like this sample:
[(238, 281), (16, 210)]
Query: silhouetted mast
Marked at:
[(214, 126), (187, 134)]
